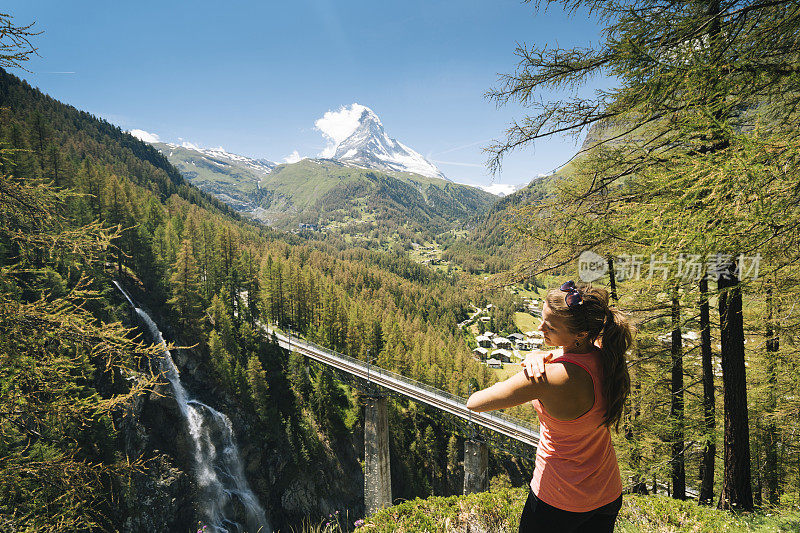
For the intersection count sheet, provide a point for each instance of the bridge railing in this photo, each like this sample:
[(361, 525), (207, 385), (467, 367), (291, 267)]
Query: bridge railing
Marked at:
[(511, 420)]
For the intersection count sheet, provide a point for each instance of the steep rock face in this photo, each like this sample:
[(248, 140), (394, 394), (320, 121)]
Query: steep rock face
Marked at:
[(369, 146), (165, 496), (160, 499)]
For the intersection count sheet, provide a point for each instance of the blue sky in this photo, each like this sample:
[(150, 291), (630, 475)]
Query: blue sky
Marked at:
[(253, 77)]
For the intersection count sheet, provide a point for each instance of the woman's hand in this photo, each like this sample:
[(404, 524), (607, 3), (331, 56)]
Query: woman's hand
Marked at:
[(533, 365)]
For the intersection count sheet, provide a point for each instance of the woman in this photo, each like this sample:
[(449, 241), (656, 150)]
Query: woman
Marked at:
[(578, 393)]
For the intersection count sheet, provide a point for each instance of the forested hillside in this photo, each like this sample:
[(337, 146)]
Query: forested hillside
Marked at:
[(493, 245), (86, 204)]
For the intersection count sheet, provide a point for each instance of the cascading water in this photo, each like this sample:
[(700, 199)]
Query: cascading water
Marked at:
[(224, 491)]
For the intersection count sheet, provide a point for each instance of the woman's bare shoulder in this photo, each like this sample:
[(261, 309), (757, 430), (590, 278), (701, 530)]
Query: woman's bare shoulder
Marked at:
[(570, 392)]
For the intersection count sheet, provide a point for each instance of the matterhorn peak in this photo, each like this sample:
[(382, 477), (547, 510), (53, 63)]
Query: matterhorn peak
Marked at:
[(356, 136)]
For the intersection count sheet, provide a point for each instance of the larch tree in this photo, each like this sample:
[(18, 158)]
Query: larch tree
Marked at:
[(186, 297), (688, 142)]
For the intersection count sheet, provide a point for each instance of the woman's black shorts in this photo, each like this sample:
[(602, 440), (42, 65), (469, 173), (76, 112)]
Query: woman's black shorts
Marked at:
[(538, 516)]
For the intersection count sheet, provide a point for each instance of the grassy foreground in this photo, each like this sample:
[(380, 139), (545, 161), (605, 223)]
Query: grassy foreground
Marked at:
[(500, 511)]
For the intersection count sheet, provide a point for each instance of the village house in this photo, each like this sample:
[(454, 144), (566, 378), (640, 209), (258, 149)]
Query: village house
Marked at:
[(480, 352), (494, 363), (516, 337), (502, 342), (524, 344), (484, 341), (503, 355)]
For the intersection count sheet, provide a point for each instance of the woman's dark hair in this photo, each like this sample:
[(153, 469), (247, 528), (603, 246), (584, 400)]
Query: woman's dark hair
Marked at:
[(615, 334)]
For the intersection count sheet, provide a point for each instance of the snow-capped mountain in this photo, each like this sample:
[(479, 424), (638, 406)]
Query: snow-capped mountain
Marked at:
[(234, 179), (222, 158), (321, 191), (357, 137)]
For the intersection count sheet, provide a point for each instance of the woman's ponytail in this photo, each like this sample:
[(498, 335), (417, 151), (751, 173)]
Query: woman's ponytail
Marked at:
[(615, 339)]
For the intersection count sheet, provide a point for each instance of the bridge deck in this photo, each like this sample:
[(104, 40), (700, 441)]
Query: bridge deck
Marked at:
[(514, 428)]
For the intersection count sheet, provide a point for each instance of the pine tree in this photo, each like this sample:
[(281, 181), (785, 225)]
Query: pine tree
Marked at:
[(55, 358), (259, 392), (186, 299)]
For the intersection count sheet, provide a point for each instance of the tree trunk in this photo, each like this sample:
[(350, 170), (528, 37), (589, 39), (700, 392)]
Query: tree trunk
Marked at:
[(612, 279), (737, 492), (676, 406), (771, 431), (757, 474), (710, 444), (637, 485)]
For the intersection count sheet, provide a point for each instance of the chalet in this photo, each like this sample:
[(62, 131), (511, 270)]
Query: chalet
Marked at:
[(494, 363), (502, 342), (484, 341), (503, 355), (486, 319), (480, 352), (524, 344), (516, 337)]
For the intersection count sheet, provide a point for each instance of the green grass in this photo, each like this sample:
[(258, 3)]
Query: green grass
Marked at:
[(526, 321), (508, 370), (500, 511)]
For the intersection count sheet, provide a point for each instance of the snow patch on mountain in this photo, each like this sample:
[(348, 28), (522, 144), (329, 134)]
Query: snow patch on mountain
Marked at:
[(221, 157), (356, 136)]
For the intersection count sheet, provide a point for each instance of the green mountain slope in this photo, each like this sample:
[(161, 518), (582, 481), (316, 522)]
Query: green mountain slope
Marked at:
[(491, 246), (326, 192), (331, 195), (232, 179)]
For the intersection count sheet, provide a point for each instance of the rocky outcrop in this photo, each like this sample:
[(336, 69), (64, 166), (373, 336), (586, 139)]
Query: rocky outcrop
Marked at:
[(159, 498), (164, 496)]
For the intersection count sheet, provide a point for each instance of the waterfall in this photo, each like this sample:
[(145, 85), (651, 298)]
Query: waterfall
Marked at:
[(224, 492)]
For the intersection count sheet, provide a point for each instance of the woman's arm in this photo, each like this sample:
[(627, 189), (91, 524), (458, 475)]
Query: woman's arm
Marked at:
[(516, 390), (563, 384)]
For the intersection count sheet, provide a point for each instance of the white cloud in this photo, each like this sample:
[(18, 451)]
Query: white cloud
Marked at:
[(145, 136), (337, 126), (499, 189), (294, 157)]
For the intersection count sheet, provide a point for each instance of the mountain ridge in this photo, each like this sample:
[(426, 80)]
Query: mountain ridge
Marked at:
[(328, 192), (366, 143)]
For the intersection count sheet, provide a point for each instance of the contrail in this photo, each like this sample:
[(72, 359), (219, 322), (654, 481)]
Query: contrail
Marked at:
[(462, 147), (475, 165)]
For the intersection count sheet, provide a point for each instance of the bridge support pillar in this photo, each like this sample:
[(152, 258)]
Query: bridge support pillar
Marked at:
[(476, 466), (377, 475)]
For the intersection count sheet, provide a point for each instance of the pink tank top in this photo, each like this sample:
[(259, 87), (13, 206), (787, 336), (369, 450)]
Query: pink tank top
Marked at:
[(576, 466)]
